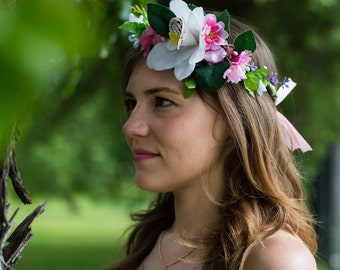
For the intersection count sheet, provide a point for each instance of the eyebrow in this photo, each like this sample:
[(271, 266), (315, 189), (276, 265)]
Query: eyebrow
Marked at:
[(153, 91)]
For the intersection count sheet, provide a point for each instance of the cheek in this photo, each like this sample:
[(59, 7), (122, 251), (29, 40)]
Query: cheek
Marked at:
[(193, 140)]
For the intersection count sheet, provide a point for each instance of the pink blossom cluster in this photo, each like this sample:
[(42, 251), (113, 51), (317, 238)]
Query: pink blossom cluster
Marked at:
[(217, 49)]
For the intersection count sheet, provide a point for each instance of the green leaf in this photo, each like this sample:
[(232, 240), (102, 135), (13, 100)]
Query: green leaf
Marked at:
[(225, 18), (253, 78), (250, 92), (159, 18), (133, 27), (210, 78), (252, 82), (190, 85), (191, 6), (245, 41), (272, 90), (188, 93), (261, 72)]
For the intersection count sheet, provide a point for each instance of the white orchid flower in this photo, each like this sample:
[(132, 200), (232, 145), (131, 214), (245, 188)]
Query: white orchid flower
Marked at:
[(186, 45)]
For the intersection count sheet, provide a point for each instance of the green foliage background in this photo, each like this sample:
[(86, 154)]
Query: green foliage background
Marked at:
[(60, 80)]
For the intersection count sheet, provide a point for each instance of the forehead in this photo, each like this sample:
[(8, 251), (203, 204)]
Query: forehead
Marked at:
[(143, 78)]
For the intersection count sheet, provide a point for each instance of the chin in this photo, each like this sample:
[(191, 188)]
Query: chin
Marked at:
[(150, 185)]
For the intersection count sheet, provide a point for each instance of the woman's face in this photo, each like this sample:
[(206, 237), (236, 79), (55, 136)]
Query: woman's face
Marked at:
[(175, 141)]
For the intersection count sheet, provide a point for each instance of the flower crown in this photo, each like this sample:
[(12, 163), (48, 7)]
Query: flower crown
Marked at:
[(196, 45)]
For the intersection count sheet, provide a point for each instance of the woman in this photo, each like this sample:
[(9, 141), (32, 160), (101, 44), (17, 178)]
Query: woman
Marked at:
[(206, 136)]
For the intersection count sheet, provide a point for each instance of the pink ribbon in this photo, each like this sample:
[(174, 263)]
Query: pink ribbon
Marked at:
[(292, 137)]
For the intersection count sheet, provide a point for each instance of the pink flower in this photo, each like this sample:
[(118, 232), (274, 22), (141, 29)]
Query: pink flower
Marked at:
[(230, 52), (214, 37), (237, 71), (243, 59), (148, 39), (213, 32), (215, 55), (235, 74)]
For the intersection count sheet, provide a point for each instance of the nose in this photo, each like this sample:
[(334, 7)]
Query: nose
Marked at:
[(137, 124)]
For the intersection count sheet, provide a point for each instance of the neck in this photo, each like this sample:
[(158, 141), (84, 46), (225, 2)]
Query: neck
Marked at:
[(196, 209), (195, 213)]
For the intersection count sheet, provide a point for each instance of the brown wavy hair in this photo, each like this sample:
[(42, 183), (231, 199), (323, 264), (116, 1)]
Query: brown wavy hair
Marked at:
[(263, 189)]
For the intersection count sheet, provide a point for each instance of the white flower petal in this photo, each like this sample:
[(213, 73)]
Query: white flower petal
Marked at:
[(183, 70), (261, 88), (189, 39), (198, 54), (161, 58), (186, 67), (193, 26), (180, 8), (134, 18), (171, 46), (197, 18)]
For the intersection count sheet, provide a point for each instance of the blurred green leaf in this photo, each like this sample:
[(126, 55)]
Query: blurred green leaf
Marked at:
[(38, 39)]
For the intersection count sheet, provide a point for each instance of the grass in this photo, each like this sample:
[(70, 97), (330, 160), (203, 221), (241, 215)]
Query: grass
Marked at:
[(86, 236)]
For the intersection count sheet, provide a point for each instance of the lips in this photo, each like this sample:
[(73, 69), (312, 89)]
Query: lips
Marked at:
[(141, 154)]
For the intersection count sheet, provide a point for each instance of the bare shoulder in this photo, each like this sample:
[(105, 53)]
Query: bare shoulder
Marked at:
[(281, 251)]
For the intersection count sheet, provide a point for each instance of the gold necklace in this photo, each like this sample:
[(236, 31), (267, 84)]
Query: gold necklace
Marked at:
[(167, 266)]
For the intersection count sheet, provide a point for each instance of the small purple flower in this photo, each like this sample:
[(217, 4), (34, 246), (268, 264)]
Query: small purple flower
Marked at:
[(273, 78), (285, 82), (252, 66)]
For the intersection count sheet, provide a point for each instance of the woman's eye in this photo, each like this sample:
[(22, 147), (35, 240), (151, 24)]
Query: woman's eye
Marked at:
[(130, 104), (162, 102)]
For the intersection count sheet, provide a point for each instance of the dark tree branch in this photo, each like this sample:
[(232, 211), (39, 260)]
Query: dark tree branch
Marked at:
[(12, 245), (20, 237)]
